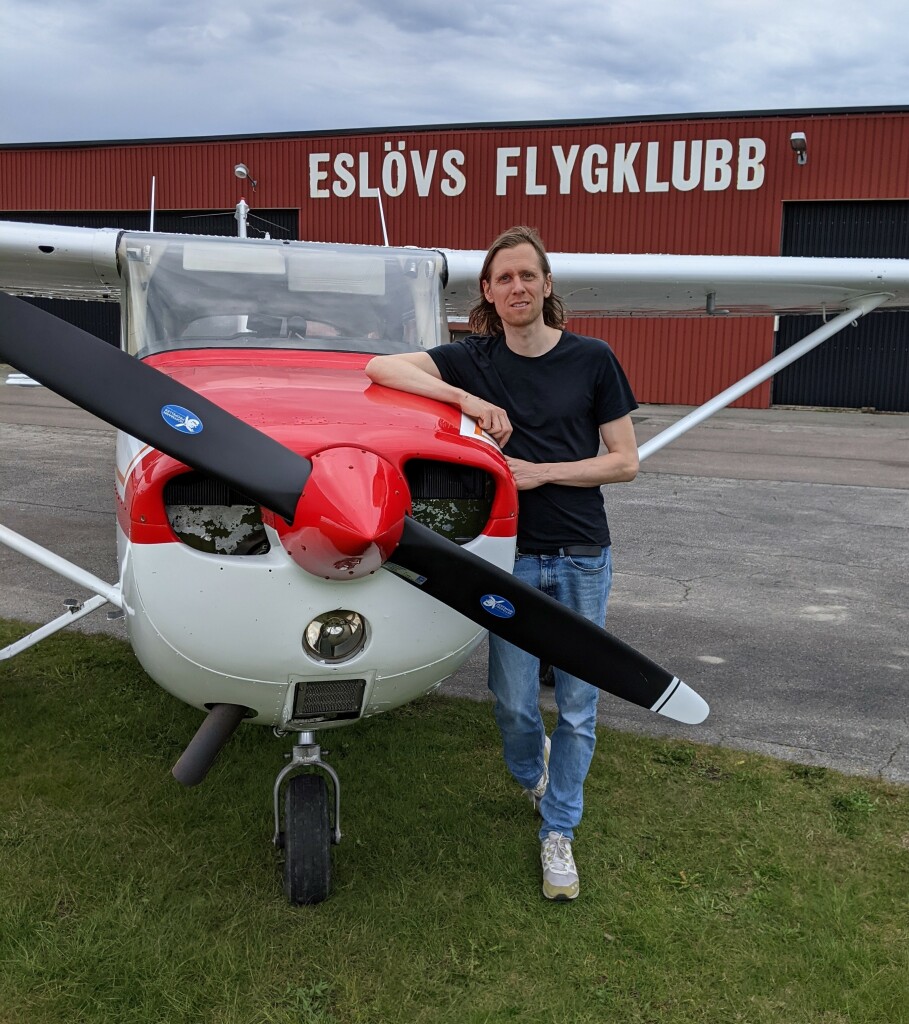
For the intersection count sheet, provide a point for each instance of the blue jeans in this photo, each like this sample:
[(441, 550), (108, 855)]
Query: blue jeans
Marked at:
[(582, 584)]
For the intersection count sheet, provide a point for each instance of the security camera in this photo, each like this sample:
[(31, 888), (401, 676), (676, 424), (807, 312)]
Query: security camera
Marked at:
[(800, 144)]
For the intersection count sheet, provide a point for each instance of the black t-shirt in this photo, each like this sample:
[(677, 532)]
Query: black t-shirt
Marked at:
[(556, 403)]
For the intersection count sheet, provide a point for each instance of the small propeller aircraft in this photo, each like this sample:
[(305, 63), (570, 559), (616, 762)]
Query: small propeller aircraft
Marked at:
[(300, 548)]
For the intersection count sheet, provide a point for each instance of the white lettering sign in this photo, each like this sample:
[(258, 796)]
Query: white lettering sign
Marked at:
[(711, 165), (400, 170)]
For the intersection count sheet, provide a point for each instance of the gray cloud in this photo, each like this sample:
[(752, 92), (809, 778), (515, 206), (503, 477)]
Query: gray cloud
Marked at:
[(102, 69)]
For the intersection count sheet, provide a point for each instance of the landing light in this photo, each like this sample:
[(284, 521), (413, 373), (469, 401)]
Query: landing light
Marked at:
[(335, 636)]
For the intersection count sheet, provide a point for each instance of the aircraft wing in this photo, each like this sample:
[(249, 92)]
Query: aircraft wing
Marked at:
[(49, 261), (616, 284), (81, 263)]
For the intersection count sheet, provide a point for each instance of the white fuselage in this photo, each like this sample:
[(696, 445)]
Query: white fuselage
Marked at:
[(214, 629)]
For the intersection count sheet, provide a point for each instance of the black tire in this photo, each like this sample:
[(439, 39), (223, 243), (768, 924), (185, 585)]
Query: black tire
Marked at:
[(307, 840)]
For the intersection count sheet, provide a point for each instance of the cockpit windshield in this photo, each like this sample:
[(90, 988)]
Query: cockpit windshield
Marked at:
[(203, 292)]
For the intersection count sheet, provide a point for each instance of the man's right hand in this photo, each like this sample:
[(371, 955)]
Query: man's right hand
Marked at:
[(491, 418)]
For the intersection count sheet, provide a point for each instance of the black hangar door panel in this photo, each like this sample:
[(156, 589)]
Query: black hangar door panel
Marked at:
[(103, 318), (862, 367)]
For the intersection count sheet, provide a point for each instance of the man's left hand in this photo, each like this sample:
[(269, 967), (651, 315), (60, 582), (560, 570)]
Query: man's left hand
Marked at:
[(527, 475)]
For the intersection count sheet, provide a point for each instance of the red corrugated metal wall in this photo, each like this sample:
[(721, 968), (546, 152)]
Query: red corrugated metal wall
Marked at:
[(707, 185)]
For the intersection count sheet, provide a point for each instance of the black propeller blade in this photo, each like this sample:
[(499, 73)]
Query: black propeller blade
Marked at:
[(174, 419), (538, 624), (151, 406)]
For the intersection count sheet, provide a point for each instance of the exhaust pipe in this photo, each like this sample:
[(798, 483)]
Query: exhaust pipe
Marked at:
[(212, 735)]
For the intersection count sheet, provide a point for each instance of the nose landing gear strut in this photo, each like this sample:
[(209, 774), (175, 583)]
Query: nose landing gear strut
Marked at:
[(309, 832)]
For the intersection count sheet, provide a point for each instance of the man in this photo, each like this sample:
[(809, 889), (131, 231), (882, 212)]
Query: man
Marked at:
[(548, 397)]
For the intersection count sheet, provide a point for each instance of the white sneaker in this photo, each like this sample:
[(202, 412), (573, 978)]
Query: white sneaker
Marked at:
[(536, 794), (560, 876)]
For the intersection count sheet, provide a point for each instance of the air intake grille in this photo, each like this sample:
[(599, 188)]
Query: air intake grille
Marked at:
[(429, 479), (329, 699), (211, 516), (198, 489), (452, 499)]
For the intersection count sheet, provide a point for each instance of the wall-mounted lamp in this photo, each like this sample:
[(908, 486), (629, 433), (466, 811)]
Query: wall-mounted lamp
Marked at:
[(242, 171), (800, 144)]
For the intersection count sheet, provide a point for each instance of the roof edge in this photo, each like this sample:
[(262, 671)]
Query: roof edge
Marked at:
[(465, 126)]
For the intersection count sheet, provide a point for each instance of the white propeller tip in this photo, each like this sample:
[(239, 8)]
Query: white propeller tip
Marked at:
[(680, 703)]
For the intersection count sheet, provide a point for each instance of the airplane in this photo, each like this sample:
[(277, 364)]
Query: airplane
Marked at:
[(300, 548)]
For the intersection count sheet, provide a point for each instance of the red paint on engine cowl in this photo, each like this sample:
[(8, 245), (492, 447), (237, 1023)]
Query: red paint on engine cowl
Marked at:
[(350, 517), (312, 402)]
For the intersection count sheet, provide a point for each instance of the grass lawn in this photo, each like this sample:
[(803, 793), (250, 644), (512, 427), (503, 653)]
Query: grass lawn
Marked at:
[(715, 886)]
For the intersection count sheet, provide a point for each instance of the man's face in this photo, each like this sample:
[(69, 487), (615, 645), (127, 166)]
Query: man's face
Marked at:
[(517, 285)]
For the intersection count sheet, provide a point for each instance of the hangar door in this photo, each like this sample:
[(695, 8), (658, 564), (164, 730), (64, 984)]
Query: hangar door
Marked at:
[(862, 367), (103, 318)]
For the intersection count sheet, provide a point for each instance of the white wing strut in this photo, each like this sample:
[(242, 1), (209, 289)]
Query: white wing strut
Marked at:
[(105, 593), (54, 626), (759, 375)]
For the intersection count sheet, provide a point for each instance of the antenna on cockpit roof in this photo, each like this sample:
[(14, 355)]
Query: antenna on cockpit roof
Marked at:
[(382, 218)]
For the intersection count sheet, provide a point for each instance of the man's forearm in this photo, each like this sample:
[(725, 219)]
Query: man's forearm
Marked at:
[(405, 376), (612, 468), (407, 373)]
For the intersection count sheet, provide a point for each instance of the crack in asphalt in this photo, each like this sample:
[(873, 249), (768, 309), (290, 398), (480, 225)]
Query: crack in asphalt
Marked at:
[(833, 758), (68, 510), (892, 756)]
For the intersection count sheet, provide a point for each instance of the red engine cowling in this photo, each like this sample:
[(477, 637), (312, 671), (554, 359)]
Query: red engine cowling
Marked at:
[(350, 517)]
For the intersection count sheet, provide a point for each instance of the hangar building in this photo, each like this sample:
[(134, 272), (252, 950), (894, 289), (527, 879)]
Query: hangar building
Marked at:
[(721, 183)]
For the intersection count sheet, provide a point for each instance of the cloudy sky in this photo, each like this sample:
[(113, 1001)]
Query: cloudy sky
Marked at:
[(118, 69)]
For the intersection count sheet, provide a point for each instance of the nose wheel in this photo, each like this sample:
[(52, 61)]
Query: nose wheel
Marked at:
[(308, 833)]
